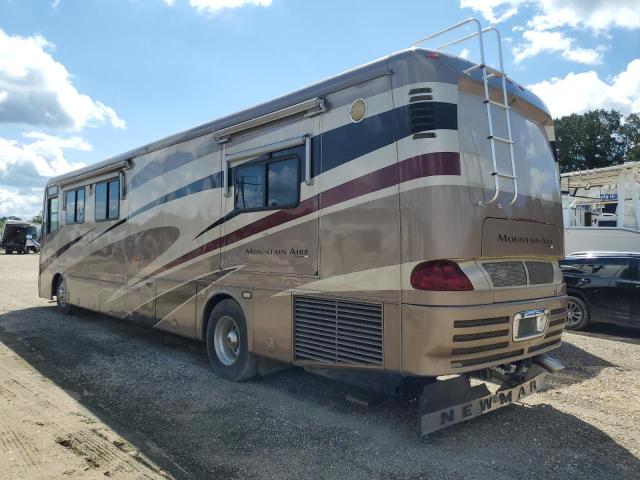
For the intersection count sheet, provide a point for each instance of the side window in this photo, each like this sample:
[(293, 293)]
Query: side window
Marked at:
[(282, 185), (74, 200), (52, 214), (602, 267), (630, 270), (270, 183), (80, 205), (249, 186), (108, 200), (70, 200)]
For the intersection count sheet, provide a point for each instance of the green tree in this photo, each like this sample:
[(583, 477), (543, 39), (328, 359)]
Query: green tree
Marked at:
[(590, 140), (631, 133), (37, 218)]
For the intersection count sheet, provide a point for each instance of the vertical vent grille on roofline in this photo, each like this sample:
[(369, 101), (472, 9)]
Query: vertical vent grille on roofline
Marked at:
[(515, 274), (422, 113), (337, 331)]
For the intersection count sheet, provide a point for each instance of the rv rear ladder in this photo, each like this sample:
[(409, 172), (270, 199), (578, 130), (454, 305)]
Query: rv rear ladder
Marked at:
[(487, 74)]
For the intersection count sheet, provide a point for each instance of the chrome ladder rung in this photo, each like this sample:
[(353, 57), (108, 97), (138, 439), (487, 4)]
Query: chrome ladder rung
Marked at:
[(500, 139), (473, 69), (504, 175), (497, 104)]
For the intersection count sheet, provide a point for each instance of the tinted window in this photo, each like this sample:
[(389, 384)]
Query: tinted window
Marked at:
[(602, 267), (80, 205), (101, 201), (52, 219), (75, 206), (249, 186), (282, 188), (113, 210), (71, 207), (108, 200), (273, 181)]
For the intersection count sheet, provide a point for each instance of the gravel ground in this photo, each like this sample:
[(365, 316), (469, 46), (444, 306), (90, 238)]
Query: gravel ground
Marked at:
[(154, 393)]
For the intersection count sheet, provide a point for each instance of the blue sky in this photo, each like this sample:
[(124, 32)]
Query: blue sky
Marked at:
[(81, 80)]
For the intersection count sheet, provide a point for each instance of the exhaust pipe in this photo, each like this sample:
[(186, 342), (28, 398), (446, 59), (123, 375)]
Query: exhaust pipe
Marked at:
[(549, 363)]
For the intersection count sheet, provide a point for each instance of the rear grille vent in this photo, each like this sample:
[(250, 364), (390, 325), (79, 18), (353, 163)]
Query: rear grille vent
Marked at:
[(337, 331), (422, 113), (506, 274), (518, 274), (480, 322), (539, 272)]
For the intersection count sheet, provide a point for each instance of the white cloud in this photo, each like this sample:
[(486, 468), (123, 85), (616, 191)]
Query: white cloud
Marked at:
[(464, 53), (595, 14), (581, 92), (23, 203), (542, 33), (598, 15), (495, 11), (37, 90), (212, 7), (26, 165), (543, 41)]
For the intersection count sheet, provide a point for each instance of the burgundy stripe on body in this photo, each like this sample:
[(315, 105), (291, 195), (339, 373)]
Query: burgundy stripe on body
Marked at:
[(430, 164)]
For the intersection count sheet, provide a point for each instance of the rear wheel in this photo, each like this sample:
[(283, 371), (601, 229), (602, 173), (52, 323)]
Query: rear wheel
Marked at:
[(577, 314), (8, 252), (62, 296), (227, 344)]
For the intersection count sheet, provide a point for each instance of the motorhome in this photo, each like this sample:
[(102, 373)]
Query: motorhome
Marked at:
[(403, 218), (20, 237), (601, 209)]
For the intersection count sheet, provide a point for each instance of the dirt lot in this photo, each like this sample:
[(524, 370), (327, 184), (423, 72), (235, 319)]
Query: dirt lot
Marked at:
[(88, 396)]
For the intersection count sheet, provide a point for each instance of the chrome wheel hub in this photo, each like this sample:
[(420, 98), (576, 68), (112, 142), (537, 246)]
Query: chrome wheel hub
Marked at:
[(60, 295), (574, 313), (226, 340)]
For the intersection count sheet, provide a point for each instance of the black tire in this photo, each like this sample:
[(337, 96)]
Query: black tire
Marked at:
[(61, 297), (8, 252), (577, 313), (227, 329)]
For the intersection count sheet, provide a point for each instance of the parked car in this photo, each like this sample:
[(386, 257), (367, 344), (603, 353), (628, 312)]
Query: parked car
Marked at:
[(602, 287)]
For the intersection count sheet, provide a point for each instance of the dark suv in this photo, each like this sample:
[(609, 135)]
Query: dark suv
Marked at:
[(602, 287)]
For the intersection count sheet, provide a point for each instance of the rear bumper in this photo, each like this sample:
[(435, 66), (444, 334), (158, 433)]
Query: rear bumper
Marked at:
[(451, 340)]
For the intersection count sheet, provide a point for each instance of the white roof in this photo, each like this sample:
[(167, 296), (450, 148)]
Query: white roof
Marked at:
[(599, 176)]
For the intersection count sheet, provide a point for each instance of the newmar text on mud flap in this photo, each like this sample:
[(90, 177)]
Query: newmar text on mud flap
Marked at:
[(400, 220)]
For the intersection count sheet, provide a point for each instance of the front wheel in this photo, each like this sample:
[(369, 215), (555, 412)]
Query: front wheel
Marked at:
[(577, 314), (62, 297), (227, 345)]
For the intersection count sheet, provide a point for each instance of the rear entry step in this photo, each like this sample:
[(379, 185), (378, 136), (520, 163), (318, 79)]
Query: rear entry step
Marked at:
[(549, 363)]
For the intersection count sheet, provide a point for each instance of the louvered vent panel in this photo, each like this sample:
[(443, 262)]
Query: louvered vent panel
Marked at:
[(337, 331), (422, 113), (506, 274), (540, 272)]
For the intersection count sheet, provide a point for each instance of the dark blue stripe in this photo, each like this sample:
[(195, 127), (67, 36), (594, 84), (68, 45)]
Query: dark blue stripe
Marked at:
[(207, 183), (334, 148)]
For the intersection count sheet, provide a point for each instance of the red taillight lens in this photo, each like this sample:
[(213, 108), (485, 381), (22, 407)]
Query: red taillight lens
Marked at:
[(440, 276)]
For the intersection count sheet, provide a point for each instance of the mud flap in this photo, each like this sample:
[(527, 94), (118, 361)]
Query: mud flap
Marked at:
[(447, 402)]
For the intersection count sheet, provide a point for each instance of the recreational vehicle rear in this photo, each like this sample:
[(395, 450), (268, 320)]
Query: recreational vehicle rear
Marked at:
[(401, 217)]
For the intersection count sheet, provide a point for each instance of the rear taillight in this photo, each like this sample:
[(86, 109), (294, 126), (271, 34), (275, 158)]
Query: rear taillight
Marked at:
[(441, 276)]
